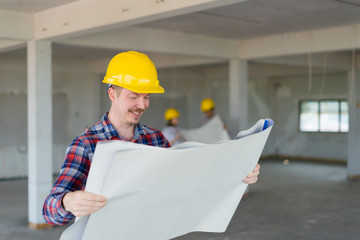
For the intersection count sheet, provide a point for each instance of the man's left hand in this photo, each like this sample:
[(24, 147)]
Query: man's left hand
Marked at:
[(252, 177)]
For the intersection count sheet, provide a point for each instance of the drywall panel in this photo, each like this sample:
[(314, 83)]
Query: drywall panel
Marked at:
[(288, 92)]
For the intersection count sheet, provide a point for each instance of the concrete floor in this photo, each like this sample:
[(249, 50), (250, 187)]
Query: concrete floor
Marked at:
[(295, 201)]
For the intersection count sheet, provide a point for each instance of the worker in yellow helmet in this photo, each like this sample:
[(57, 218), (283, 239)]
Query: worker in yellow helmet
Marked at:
[(208, 108), (131, 78), (171, 131)]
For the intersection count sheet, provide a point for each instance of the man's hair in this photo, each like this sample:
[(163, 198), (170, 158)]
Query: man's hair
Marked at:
[(116, 88)]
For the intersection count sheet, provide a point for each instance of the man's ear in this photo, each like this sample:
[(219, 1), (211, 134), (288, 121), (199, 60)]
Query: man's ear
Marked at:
[(111, 93)]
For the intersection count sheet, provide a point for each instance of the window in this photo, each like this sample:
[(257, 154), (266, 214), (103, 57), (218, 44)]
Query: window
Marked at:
[(324, 116)]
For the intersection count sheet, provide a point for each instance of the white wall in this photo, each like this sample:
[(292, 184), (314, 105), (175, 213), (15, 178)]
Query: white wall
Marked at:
[(273, 97), (288, 140), (13, 117), (261, 105), (76, 105)]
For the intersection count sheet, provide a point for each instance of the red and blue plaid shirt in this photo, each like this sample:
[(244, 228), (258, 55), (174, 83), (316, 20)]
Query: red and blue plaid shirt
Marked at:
[(79, 154)]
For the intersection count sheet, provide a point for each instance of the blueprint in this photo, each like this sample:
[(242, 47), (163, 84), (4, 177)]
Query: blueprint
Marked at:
[(160, 193)]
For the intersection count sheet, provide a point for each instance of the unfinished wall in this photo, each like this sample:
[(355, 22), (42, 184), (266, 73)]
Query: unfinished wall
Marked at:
[(289, 140), (76, 105), (272, 97), (13, 127), (261, 105)]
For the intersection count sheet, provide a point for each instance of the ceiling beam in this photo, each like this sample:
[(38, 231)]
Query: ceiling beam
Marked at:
[(323, 40), (7, 45), (78, 18), (325, 60), (16, 25), (150, 40)]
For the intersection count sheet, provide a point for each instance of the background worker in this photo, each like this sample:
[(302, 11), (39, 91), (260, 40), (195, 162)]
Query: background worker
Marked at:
[(133, 78), (171, 131), (208, 108)]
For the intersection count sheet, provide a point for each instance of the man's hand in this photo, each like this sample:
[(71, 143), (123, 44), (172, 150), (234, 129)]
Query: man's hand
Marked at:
[(253, 177), (82, 203)]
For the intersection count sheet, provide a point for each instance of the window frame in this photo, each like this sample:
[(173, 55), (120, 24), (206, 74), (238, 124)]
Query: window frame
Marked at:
[(339, 101)]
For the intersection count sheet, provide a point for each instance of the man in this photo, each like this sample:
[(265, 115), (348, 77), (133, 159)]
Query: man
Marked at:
[(208, 108), (133, 77)]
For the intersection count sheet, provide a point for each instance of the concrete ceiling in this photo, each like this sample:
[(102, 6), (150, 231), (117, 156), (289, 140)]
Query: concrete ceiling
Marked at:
[(253, 18), (242, 20), (31, 6), (259, 18)]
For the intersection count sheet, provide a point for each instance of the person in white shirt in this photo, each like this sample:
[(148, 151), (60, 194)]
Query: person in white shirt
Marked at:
[(171, 131)]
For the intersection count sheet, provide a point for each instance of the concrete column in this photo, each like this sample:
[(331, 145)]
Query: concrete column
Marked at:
[(238, 95), (353, 161), (39, 128)]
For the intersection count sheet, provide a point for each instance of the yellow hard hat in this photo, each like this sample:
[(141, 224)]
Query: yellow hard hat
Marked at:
[(134, 71), (171, 113), (207, 104)]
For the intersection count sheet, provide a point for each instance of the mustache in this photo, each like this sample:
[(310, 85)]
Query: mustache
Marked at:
[(140, 110)]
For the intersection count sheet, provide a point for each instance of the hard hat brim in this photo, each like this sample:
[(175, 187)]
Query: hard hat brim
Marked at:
[(138, 89)]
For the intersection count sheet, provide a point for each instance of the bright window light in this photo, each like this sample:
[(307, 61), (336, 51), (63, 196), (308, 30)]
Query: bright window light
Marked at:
[(324, 116), (309, 116)]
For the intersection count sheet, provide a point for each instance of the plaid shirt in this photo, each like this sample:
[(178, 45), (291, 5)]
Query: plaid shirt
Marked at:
[(79, 154)]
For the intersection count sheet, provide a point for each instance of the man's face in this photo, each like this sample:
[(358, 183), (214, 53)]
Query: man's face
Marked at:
[(130, 105), (175, 121), (210, 114)]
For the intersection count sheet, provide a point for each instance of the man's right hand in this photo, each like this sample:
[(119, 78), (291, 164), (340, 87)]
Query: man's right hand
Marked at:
[(82, 203)]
